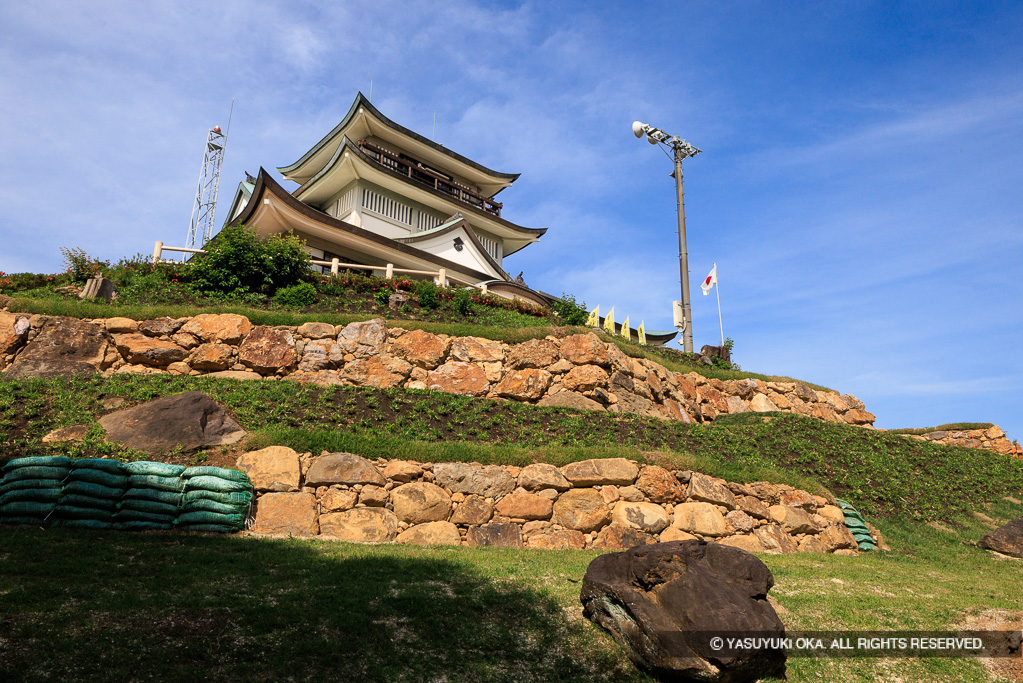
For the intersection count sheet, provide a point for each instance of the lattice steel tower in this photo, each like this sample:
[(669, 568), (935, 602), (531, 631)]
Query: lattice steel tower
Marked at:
[(204, 208)]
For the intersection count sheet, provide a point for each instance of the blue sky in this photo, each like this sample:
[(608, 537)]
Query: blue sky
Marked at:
[(859, 187)]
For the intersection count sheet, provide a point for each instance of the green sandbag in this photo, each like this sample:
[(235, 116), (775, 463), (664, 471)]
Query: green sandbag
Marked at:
[(867, 546), (25, 484), (150, 506), (157, 469), (208, 483), (227, 497), (26, 509), (95, 524), (211, 518), (101, 464), (153, 481), (22, 521), (78, 500), (137, 525), (154, 495), (116, 481), (50, 495), (75, 512), (216, 528), (221, 472), (214, 506), (37, 461), (853, 526), (37, 472), (84, 488), (140, 516)]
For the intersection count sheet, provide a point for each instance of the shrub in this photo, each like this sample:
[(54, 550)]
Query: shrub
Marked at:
[(80, 265), (300, 295), (570, 312), (427, 294), (463, 302), (238, 260)]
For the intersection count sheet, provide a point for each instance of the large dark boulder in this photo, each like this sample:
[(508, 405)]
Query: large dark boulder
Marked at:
[(1007, 540), (187, 421), (665, 602), (64, 346)]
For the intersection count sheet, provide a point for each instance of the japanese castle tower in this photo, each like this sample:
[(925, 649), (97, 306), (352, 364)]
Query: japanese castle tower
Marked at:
[(372, 192)]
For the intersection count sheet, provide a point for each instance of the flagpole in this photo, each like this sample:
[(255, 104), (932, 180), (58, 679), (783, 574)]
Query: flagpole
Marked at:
[(717, 291)]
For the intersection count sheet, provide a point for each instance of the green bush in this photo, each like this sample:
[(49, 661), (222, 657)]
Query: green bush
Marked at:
[(570, 312), (427, 294), (463, 302), (80, 265), (238, 260), (298, 296)]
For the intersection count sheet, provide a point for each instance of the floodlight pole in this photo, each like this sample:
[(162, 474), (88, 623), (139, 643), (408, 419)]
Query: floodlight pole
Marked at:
[(683, 253), (681, 150)]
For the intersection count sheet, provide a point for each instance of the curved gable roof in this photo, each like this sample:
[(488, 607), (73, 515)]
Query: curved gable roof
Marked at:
[(362, 102)]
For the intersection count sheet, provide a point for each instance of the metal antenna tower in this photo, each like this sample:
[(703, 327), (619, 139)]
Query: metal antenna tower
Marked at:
[(204, 208)]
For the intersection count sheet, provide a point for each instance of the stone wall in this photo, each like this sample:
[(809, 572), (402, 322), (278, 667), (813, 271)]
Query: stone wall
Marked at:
[(992, 439), (577, 371), (608, 504)]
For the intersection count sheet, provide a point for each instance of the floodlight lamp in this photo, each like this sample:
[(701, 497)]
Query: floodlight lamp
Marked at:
[(638, 128), (651, 139)]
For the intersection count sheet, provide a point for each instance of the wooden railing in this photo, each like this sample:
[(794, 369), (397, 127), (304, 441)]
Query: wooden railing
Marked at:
[(428, 176), (440, 276)]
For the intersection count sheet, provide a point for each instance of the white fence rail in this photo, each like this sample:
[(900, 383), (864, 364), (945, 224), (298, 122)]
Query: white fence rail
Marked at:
[(440, 276)]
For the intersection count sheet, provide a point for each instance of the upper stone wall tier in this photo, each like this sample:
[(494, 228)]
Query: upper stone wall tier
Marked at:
[(578, 371)]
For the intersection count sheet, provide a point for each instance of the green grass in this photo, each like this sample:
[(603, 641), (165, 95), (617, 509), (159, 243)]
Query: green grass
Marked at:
[(187, 607), (883, 474), (951, 427)]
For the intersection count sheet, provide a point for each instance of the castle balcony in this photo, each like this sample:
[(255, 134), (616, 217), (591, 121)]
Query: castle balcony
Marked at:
[(419, 172)]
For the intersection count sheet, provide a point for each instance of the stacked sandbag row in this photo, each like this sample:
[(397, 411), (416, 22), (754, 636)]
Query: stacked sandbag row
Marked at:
[(153, 497), (857, 526), (30, 488), (215, 499), (135, 496), (92, 490)]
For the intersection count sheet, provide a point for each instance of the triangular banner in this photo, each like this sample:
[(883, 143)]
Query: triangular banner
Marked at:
[(594, 319), (626, 333), (642, 334), (609, 322)]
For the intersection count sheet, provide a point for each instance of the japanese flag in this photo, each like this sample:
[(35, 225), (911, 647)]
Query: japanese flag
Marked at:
[(711, 280)]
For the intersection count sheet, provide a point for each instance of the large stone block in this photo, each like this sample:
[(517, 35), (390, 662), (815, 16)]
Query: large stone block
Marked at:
[(275, 468), (524, 385), (581, 509), (286, 513), (526, 506), (700, 518), (620, 537), (601, 472), (585, 349), (63, 347), (430, 533), (421, 502), (490, 481), (13, 332), (222, 328), (183, 422), (494, 536), (267, 350), (343, 468), (646, 517), (569, 399), (474, 510), (535, 353), (540, 476), (381, 372), (584, 378), (360, 525), (422, 349), (457, 377), (793, 520), (212, 357), (139, 349), (363, 339), (557, 539), (710, 490), (476, 350), (659, 485)]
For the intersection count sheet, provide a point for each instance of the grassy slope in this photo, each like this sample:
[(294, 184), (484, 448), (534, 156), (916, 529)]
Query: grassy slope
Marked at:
[(188, 607), (181, 606), (883, 474)]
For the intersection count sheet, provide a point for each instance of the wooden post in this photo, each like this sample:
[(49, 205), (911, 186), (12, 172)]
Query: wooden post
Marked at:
[(157, 252), (442, 277), (483, 287), (390, 271), (333, 266)]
